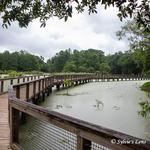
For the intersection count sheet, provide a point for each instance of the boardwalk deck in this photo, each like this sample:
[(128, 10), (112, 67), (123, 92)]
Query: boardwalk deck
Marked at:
[(4, 124)]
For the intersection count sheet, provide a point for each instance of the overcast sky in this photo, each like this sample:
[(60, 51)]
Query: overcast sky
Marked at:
[(81, 32)]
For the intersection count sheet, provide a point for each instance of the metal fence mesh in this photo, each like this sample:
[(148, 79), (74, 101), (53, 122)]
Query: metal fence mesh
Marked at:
[(39, 135), (96, 146)]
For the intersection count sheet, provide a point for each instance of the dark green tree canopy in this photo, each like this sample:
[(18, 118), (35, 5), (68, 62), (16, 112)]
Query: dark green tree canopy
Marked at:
[(24, 11)]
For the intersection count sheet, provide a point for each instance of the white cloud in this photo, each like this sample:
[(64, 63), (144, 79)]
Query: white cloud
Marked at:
[(80, 32)]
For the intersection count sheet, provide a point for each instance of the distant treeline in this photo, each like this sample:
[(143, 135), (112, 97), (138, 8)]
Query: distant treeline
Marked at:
[(21, 61), (90, 60)]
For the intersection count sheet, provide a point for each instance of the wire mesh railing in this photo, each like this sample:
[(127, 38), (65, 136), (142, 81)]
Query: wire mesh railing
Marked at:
[(45, 136), (49, 130)]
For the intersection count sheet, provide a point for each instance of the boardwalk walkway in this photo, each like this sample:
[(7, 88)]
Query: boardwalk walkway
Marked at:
[(4, 124)]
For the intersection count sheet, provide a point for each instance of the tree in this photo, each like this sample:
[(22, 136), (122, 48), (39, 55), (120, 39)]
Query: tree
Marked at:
[(57, 62), (139, 42), (25, 11), (21, 61), (104, 68), (69, 67)]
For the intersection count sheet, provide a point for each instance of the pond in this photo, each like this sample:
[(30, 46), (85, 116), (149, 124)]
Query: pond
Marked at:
[(114, 105)]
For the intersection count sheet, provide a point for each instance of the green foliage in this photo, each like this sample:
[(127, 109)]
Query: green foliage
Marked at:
[(139, 43), (57, 63), (13, 73), (145, 108), (68, 83), (69, 67), (91, 60), (146, 87), (38, 73), (1, 72), (78, 61), (148, 73), (104, 68), (25, 11), (21, 61)]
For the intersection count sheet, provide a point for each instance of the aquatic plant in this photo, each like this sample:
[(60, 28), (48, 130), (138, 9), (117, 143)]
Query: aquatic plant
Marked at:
[(68, 83), (145, 105), (146, 87)]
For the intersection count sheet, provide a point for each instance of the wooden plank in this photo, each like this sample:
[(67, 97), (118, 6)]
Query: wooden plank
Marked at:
[(4, 124)]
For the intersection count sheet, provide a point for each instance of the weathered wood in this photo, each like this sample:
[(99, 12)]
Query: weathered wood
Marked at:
[(18, 80), (24, 79), (34, 89), (83, 129), (83, 144), (11, 82), (16, 146), (79, 143), (27, 91), (4, 123), (14, 125), (2, 86)]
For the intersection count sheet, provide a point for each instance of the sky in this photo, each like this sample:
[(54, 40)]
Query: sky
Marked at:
[(81, 32)]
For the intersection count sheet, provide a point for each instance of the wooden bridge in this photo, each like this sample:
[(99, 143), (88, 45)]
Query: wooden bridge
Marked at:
[(76, 133)]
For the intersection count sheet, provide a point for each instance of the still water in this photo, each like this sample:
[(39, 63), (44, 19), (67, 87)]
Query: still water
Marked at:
[(114, 105)]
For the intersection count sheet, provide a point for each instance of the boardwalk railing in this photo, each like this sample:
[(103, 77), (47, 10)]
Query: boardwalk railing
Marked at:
[(5, 82), (53, 130)]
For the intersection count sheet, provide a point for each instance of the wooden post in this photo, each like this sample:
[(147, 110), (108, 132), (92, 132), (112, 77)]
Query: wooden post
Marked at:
[(58, 86), (14, 125), (2, 86), (18, 92), (39, 86), (43, 91), (42, 84), (27, 91), (34, 89), (18, 80), (83, 144), (11, 82)]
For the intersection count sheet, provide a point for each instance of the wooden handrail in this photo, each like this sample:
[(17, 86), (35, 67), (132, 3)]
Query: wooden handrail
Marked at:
[(71, 76), (83, 130)]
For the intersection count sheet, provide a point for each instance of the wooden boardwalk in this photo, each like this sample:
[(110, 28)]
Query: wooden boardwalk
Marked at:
[(35, 89), (4, 124)]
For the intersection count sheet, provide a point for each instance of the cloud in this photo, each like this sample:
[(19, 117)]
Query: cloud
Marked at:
[(80, 32)]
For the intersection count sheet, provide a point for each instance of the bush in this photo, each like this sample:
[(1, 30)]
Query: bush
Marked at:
[(13, 73)]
